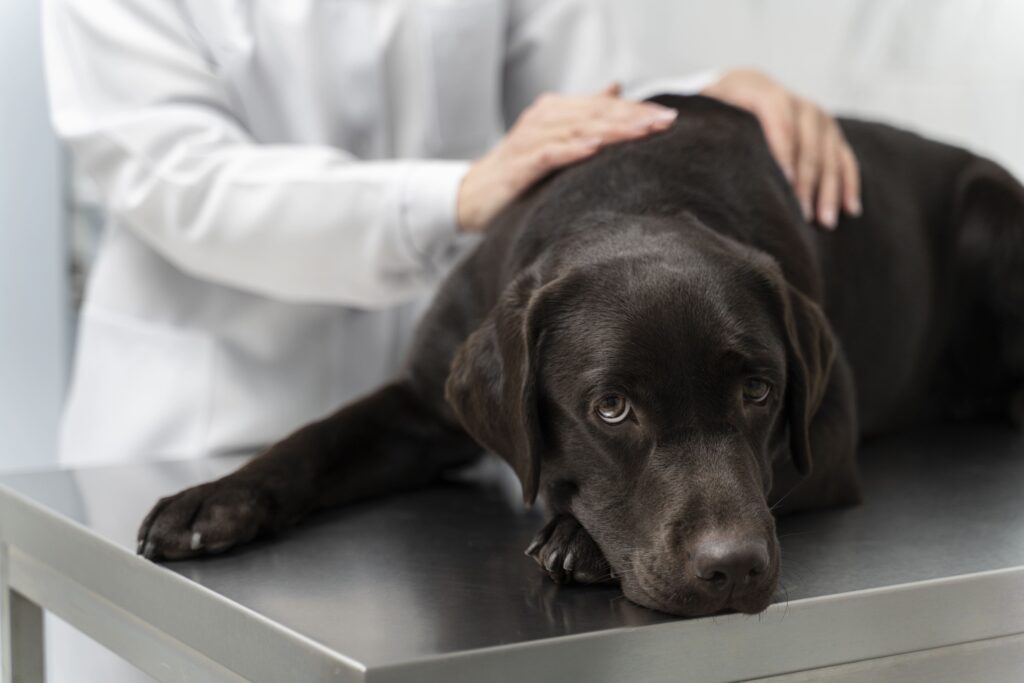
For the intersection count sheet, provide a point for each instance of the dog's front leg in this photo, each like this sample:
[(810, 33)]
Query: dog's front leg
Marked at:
[(566, 551), (390, 441)]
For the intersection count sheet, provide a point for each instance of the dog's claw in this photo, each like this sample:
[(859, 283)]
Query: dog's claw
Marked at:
[(567, 553), (569, 561), (551, 562)]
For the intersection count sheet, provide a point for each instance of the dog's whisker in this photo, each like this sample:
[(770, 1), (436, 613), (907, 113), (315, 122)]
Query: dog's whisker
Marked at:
[(777, 503)]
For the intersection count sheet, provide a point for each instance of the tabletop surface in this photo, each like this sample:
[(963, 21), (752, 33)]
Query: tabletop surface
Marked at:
[(443, 570)]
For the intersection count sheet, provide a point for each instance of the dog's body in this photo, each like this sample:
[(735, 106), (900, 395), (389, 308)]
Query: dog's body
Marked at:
[(657, 341)]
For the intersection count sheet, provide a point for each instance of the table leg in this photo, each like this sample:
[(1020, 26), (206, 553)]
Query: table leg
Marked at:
[(21, 628)]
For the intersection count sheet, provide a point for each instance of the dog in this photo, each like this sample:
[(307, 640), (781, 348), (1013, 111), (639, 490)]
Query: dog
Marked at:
[(657, 342)]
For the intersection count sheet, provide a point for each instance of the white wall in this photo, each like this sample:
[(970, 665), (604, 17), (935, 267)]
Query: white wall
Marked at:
[(33, 309), (950, 68)]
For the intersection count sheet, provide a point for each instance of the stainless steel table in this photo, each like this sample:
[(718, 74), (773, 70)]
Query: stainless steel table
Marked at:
[(924, 582)]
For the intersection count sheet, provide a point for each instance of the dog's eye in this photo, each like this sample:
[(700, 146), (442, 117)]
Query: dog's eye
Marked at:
[(613, 408), (756, 390)]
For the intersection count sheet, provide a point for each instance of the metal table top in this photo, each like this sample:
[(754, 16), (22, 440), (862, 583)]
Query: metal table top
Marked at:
[(442, 571)]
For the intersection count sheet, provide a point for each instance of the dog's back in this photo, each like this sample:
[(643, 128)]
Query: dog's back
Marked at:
[(906, 289)]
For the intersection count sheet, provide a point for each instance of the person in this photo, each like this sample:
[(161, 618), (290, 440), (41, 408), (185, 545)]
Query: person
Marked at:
[(286, 183)]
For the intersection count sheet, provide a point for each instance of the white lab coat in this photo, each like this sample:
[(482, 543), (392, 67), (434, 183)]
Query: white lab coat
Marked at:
[(280, 180)]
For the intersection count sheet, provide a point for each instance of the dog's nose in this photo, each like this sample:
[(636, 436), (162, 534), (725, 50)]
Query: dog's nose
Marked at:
[(728, 562)]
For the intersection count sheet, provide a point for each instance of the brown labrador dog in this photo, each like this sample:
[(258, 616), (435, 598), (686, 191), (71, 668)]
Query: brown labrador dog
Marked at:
[(658, 342)]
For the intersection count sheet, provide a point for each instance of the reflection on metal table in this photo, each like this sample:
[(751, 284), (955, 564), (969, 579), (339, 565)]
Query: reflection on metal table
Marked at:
[(925, 582)]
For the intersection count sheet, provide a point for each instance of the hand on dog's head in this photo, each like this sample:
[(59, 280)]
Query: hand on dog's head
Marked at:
[(659, 387)]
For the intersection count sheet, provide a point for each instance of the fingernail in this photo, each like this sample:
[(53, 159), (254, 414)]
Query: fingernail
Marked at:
[(827, 217), (660, 119), (591, 142), (855, 208), (805, 206), (788, 172)]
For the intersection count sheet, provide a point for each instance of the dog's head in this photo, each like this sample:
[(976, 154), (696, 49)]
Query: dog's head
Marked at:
[(652, 391)]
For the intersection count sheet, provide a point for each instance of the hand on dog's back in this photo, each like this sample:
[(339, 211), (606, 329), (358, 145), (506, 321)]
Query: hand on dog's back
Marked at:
[(555, 131)]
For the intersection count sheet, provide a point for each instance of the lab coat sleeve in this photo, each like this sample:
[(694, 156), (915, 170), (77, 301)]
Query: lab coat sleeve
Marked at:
[(568, 46), (148, 121)]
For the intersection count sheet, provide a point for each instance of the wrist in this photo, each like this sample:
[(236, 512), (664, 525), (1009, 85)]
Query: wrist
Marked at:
[(465, 212), (470, 213)]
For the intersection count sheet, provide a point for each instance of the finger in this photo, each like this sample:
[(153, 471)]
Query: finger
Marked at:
[(613, 89), (625, 112), (808, 154), (608, 132), (850, 172), (778, 120), (558, 108), (828, 179), (553, 109), (611, 133)]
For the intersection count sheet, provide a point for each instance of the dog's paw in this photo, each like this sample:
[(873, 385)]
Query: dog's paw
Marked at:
[(202, 520), (568, 554)]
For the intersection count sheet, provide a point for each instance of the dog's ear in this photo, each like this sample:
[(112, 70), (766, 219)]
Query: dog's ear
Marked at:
[(492, 384), (810, 352), (988, 214), (988, 211)]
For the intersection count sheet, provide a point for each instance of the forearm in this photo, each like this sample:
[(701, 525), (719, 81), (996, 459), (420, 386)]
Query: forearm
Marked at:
[(355, 453), (297, 223)]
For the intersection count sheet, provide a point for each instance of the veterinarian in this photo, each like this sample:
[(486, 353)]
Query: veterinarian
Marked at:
[(285, 184)]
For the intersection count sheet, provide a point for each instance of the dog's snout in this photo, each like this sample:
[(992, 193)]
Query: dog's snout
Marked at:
[(726, 562), (731, 568)]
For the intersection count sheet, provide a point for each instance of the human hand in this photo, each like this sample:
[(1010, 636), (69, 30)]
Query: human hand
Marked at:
[(805, 140), (555, 131)]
